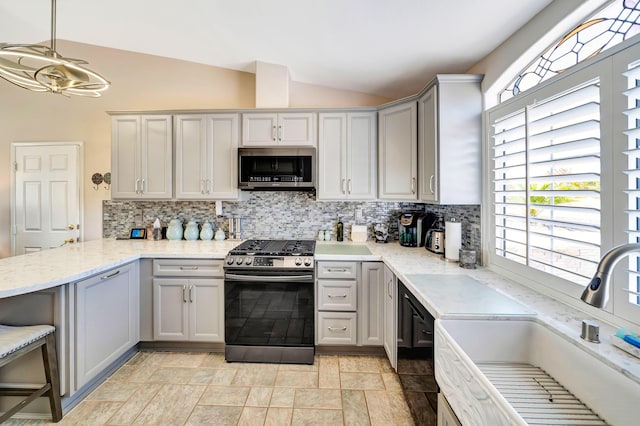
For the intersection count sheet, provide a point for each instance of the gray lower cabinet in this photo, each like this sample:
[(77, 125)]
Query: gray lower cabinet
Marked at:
[(390, 317), (349, 303), (106, 320), (186, 305)]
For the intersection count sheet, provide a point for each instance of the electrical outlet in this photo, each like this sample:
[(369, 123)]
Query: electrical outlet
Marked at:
[(359, 215), (137, 216)]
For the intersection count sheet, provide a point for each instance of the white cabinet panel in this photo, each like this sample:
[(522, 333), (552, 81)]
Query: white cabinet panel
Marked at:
[(397, 152), (371, 305), (332, 156), (284, 128), (337, 328), (170, 309), (107, 320), (206, 318), (337, 295), (390, 317)]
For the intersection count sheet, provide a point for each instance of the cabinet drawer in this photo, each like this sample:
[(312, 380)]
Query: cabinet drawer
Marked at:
[(188, 268), (338, 270), (336, 328), (337, 295)]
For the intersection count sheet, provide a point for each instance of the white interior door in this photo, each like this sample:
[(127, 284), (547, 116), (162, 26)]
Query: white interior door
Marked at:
[(46, 211)]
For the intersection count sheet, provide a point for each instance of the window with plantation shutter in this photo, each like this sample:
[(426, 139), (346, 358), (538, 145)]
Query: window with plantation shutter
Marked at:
[(546, 183), (632, 133)]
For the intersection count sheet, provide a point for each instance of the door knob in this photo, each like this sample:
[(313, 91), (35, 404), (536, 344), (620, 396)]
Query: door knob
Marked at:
[(71, 227), (70, 241)]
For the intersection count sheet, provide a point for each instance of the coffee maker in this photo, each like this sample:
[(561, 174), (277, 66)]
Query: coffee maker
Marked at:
[(412, 229)]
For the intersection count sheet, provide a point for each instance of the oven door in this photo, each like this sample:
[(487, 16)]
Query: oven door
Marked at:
[(269, 308)]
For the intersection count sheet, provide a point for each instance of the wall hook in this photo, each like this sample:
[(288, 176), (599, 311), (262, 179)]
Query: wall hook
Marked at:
[(97, 179), (107, 180)]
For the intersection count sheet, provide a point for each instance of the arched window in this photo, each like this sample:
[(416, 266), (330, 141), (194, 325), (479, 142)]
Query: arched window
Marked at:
[(608, 27)]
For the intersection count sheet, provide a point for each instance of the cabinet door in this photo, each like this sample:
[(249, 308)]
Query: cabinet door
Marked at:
[(170, 309), (361, 156), (398, 151), (371, 312), (259, 129), (427, 146), (296, 128), (332, 156), (156, 157), (222, 134), (125, 156), (107, 320), (390, 318), (191, 157), (206, 310)]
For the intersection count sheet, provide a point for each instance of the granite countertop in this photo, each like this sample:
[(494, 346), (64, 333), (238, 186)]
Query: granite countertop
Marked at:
[(444, 288)]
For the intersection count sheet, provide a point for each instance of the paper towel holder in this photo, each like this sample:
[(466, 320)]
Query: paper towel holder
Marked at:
[(453, 240)]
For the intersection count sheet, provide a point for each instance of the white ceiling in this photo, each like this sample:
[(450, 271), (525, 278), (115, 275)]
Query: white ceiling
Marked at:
[(386, 47)]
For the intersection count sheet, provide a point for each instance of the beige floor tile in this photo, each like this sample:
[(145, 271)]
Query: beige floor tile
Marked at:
[(354, 406), (142, 372), (361, 381), (91, 413), (123, 374), (391, 382), (223, 377), (282, 397), (309, 416), (385, 365), (253, 416), (216, 360), (328, 372), (225, 395), (138, 358), (202, 376), (113, 391), (188, 360), (259, 397), (359, 364), (318, 398), (175, 375), (253, 376), (171, 405), (214, 415), (278, 416), (379, 408), (297, 379), (399, 409), (127, 413), (299, 367)]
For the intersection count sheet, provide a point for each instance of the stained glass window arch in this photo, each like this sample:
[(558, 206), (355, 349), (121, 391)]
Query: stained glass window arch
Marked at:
[(607, 28)]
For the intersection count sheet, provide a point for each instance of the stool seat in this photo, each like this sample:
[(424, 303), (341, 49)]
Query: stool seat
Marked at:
[(18, 341), (14, 338)]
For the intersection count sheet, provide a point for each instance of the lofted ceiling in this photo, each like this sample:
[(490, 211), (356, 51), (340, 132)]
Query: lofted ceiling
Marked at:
[(388, 48)]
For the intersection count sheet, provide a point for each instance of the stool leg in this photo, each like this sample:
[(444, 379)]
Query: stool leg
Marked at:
[(50, 361)]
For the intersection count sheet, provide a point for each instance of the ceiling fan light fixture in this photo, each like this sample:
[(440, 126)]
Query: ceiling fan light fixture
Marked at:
[(41, 69)]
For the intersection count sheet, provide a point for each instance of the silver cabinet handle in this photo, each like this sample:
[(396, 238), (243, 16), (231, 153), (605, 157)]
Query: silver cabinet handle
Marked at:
[(413, 185), (202, 186), (337, 328), (431, 184), (280, 133), (335, 296), (106, 277), (342, 187), (349, 186), (336, 270), (208, 185), (137, 186), (189, 268), (190, 294), (273, 133), (142, 186), (184, 293)]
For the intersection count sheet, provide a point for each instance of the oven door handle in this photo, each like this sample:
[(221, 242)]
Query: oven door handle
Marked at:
[(269, 278)]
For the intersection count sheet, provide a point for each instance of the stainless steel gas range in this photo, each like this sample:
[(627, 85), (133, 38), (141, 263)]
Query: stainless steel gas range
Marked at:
[(269, 302)]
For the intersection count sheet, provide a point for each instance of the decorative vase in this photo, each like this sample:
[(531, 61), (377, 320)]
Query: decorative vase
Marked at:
[(219, 235), (192, 232), (207, 231), (174, 231)]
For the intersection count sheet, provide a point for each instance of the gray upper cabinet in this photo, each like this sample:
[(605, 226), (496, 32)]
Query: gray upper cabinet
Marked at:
[(206, 156), (347, 149), (450, 141), (398, 152), (279, 128), (141, 156)]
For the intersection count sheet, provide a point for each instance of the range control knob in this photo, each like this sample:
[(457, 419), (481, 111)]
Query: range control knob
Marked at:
[(239, 261), (307, 261), (298, 261), (248, 261), (229, 260)]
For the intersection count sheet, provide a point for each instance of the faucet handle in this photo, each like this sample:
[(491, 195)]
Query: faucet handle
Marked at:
[(590, 331)]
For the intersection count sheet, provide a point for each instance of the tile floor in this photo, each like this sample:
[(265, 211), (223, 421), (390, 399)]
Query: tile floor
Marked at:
[(161, 388)]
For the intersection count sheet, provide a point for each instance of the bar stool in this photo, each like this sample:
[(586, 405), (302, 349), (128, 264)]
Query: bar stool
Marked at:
[(18, 341)]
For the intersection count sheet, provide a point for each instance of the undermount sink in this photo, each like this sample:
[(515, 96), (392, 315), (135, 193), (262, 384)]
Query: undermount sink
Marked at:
[(507, 372), (343, 249)]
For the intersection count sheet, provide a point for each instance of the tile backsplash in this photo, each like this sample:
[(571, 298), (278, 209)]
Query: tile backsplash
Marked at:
[(282, 215)]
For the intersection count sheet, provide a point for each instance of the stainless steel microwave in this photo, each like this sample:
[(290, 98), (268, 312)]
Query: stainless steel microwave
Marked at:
[(277, 168)]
